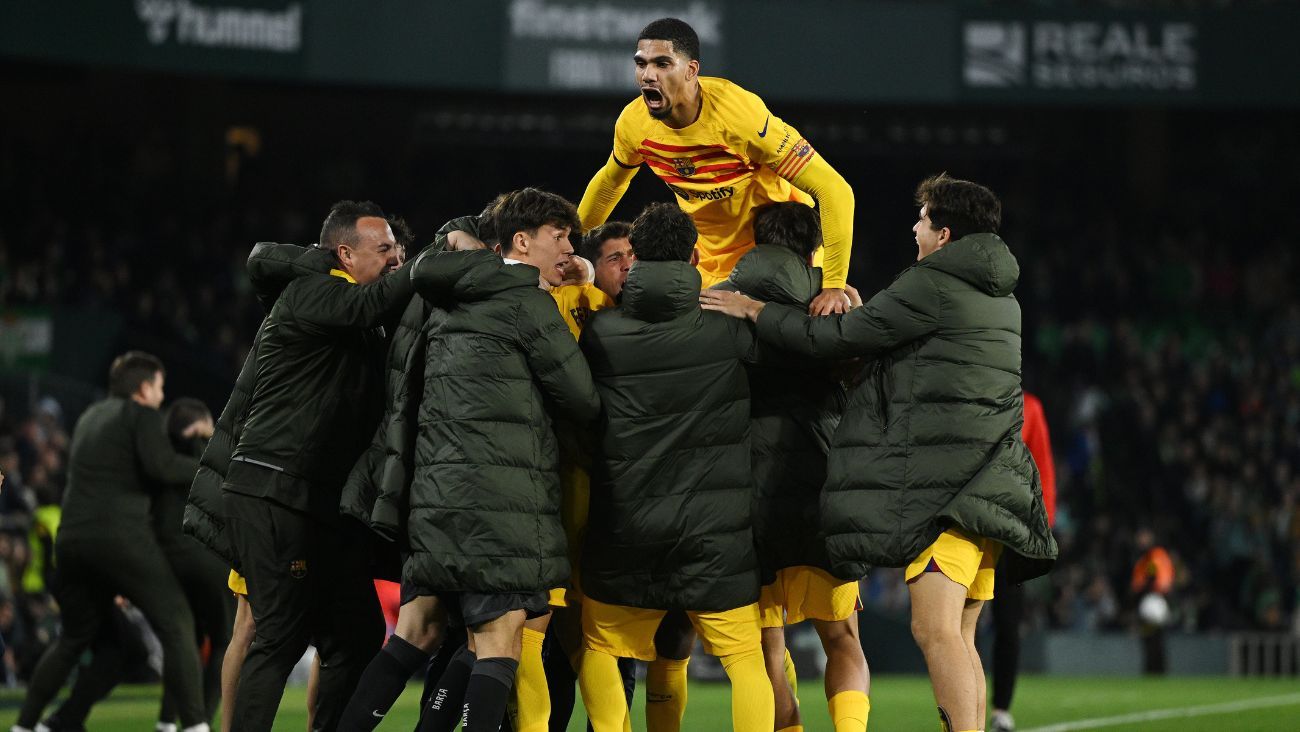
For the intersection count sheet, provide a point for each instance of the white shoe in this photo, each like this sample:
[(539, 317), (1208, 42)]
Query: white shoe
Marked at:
[(1002, 722), (165, 727), (200, 727)]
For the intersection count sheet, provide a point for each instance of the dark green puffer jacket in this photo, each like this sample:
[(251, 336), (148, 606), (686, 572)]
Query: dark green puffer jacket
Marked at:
[(671, 485), (271, 267), (931, 437), (795, 406), (376, 492), (485, 492)]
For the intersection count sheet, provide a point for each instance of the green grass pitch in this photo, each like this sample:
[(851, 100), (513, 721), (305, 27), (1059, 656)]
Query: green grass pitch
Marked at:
[(897, 703)]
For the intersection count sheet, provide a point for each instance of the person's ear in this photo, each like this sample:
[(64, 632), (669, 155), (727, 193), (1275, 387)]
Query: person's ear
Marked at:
[(945, 235), (692, 69), (520, 243), (695, 257)]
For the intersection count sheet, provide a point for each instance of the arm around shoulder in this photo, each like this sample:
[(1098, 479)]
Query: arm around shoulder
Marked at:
[(558, 364), (904, 312)]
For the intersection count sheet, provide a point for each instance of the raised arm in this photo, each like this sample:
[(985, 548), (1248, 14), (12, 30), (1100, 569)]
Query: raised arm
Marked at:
[(333, 302), (835, 204), (604, 192), (792, 157)]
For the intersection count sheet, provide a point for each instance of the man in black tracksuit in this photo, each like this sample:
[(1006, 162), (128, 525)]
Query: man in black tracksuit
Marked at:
[(316, 399), (202, 577), (106, 547)]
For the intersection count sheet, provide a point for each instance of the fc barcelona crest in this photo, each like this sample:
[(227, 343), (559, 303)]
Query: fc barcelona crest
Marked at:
[(685, 167)]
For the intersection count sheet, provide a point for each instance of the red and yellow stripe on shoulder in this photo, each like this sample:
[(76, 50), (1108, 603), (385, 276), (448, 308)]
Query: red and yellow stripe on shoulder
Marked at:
[(795, 160)]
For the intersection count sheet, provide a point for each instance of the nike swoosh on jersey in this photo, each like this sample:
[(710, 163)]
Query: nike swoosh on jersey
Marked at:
[(763, 132)]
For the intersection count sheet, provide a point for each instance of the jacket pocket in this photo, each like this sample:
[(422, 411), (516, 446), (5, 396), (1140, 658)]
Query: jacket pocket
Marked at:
[(882, 395)]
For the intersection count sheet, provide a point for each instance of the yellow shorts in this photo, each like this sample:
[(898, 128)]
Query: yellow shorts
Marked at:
[(963, 558), (565, 596), (237, 584), (806, 593), (629, 632)]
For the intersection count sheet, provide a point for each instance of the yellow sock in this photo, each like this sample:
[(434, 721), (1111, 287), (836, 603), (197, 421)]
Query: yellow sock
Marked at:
[(531, 696), (792, 728), (602, 691), (665, 694), (849, 711), (791, 677), (752, 706)]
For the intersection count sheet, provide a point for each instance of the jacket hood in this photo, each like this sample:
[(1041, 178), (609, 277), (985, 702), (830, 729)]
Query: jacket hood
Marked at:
[(272, 266), (467, 276), (776, 274), (659, 291), (983, 260)]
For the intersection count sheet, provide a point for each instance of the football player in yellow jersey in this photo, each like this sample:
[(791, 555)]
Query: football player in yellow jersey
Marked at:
[(722, 153)]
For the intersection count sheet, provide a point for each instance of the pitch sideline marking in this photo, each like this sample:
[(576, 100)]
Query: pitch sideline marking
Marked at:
[(1156, 714)]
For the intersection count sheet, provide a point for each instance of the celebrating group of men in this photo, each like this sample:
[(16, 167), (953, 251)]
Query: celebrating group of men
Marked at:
[(573, 458)]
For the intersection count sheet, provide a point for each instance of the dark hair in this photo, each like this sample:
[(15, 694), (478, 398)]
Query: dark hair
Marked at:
[(596, 238), (791, 224), (676, 32), (341, 224), (130, 370), (184, 412), (663, 233), (529, 209), (960, 205), (487, 222), (401, 231)]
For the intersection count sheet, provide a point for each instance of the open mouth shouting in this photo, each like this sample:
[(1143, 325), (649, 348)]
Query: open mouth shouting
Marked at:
[(654, 99)]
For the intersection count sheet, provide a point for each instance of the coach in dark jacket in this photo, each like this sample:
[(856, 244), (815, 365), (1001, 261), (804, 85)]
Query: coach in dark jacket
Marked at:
[(271, 267), (315, 400), (106, 546), (929, 451)]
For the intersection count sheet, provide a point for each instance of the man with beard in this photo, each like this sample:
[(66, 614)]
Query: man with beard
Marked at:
[(723, 154)]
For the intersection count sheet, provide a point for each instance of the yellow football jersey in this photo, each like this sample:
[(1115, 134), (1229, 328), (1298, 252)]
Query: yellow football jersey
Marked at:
[(577, 303), (736, 156)]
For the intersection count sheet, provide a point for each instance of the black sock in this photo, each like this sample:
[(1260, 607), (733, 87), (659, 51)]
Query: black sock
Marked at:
[(381, 684), (561, 680), (443, 710), (452, 642), (627, 669), (485, 697)]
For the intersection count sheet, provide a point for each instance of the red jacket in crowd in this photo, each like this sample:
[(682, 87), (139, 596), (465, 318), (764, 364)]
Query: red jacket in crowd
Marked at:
[(1034, 433)]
